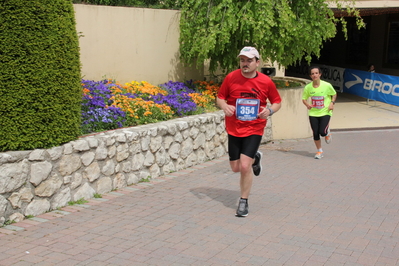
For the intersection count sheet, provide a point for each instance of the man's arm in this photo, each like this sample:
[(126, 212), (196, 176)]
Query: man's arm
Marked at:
[(269, 110), (227, 109), (275, 107)]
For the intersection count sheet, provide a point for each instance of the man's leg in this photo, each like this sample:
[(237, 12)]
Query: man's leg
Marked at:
[(242, 152), (246, 175), (245, 183), (244, 167)]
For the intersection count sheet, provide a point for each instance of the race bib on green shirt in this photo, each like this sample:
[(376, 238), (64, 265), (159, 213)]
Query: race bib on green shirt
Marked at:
[(247, 109), (318, 102)]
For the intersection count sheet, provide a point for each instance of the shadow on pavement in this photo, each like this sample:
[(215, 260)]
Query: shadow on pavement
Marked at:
[(301, 153), (227, 197)]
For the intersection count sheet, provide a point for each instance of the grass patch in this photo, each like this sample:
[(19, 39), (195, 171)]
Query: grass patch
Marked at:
[(144, 180), (9, 222), (79, 201)]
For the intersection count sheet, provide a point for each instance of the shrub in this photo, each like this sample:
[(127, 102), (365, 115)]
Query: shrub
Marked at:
[(39, 74)]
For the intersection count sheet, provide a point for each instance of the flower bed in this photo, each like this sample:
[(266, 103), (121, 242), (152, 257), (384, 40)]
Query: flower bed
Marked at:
[(109, 105)]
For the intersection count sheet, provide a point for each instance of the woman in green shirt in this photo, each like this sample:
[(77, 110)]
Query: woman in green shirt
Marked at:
[(323, 96)]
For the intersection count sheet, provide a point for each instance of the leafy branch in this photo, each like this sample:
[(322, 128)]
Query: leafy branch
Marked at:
[(284, 31)]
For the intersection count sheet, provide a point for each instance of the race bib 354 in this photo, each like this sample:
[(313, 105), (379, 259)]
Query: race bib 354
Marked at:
[(247, 109)]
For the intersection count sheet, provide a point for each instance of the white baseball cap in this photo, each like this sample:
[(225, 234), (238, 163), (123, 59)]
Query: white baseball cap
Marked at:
[(249, 52)]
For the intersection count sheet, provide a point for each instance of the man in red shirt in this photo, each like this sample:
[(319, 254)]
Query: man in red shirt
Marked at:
[(243, 98)]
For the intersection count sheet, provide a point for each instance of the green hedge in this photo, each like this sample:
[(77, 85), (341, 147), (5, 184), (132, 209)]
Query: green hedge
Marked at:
[(40, 88)]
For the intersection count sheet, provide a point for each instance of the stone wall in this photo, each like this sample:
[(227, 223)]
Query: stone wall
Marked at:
[(34, 182)]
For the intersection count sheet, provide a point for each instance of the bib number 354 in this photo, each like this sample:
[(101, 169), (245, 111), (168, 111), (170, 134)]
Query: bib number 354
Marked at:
[(247, 109)]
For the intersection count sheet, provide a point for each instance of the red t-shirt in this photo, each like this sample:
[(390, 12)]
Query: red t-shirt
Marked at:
[(236, 86)]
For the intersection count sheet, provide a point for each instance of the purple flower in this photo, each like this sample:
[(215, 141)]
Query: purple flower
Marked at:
[(97, 112), (177, 98)]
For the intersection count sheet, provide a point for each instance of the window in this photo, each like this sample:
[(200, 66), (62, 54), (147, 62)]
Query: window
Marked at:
[(392, 50), (358, 43)]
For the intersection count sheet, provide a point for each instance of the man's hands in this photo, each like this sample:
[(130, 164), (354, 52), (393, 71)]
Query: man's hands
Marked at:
[(264, 113), (229, 110)]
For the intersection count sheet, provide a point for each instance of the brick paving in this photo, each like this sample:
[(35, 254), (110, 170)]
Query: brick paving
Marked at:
[(340, 210)]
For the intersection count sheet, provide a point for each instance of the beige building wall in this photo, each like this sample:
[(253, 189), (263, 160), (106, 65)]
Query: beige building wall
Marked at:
[(129, 44)]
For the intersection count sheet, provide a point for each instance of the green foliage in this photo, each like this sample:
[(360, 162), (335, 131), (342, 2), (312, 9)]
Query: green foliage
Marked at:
[(284, 31), (79, 201), (9, 222), (39, 74), (145, 180)]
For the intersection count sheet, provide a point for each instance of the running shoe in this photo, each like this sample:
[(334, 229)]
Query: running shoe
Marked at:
[(242, 210), (328, 138), (319, 155), (257, 166)]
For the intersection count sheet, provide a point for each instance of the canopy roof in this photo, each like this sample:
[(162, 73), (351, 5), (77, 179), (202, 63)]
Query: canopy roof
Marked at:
[(368, 11)]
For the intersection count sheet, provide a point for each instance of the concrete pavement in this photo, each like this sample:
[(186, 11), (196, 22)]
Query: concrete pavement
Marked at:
[(340, 210), (353, 112)]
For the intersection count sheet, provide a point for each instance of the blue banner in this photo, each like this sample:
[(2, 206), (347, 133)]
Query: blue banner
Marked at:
[(373, 86)]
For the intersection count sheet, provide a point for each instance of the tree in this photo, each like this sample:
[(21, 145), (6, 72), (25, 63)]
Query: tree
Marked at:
[(284, 31), (39, 75)]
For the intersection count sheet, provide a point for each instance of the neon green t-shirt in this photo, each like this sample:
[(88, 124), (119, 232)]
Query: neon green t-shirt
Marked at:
[(320, 97)]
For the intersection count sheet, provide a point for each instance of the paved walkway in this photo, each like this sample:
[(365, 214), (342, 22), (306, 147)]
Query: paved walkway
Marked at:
[(354, 112), (341, 210)]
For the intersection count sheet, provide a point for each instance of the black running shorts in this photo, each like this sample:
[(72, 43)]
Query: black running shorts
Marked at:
[(243, 145)]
